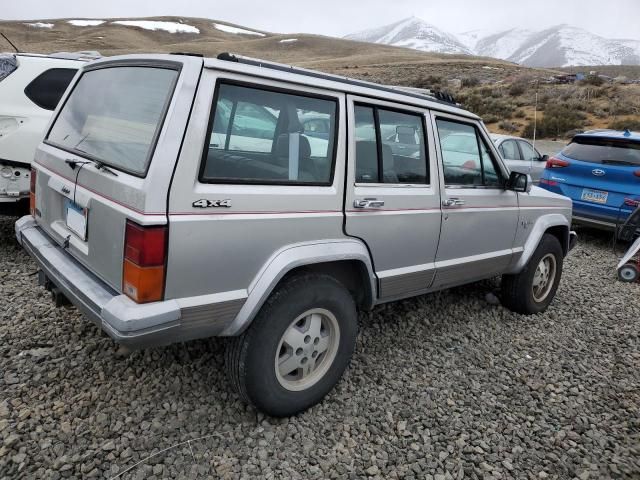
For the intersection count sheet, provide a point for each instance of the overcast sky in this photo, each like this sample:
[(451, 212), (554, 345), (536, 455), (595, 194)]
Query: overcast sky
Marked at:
[(610, 18)]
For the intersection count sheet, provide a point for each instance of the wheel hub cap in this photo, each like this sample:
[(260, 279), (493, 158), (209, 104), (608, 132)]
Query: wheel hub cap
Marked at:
[(544, 278), (307, 349)]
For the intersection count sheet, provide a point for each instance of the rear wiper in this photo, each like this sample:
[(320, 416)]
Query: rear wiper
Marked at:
[(617, 162), (101, 166)]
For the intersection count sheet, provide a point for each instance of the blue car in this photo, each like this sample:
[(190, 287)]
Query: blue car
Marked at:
[(600, 171)]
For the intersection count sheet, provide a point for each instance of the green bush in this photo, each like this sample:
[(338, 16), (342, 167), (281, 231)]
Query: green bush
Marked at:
[(592, 80), (508, 126), (428, 81), (519, 114), (470, 82), (486, 106), (557, 121), (629, 124), (517, 89)]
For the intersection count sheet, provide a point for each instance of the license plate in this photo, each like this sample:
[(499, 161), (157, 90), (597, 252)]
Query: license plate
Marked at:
[(595, 196), (76, 219)]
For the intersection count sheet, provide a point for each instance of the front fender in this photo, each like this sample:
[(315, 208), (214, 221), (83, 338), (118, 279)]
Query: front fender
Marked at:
[(288, 258), (540, 227)]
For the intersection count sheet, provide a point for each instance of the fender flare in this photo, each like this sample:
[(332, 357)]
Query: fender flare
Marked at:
[(288, 258), (542, 224)]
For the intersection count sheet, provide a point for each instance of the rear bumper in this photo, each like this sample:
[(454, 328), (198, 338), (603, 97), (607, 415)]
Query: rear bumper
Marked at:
[(128, 323)]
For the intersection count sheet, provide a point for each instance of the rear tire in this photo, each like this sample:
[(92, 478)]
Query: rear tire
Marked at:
[(629, 273), (532, 290), (297, 348)]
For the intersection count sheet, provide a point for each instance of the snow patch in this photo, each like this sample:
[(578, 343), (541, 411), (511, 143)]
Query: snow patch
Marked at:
[(288, 40), (236, 30), (86, 23), (40, 25), (171, 27)]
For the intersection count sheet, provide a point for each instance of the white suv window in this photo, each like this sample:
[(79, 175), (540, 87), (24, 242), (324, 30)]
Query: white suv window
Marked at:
[(265, 136)]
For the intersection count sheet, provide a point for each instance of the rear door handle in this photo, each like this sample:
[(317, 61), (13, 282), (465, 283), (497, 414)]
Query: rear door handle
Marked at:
[(368, 203), (453, 202)]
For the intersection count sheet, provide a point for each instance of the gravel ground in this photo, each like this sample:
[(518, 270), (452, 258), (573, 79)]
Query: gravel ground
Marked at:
[(445, 386)]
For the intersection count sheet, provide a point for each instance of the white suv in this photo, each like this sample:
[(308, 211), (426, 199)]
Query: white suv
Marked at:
[(30, 87)]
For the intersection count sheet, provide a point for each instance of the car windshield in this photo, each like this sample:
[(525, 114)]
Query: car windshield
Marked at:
[(604, 151), (113, 115)]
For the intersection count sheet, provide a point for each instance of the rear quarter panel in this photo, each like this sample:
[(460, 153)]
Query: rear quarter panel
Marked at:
[(218, 250)]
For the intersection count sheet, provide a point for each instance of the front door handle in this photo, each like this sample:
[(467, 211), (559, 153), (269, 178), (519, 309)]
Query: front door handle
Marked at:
[(453, 202), (368, 203)]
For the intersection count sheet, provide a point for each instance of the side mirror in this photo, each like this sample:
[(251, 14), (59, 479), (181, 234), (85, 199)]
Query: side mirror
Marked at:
[(519, 182), (544, 158)]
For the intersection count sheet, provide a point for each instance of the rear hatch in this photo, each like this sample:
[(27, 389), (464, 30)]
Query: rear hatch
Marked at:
[(600, 174), (109, 155)]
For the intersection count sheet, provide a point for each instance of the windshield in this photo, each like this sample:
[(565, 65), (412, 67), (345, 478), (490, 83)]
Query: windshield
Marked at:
[(604, 151), (114, 114)]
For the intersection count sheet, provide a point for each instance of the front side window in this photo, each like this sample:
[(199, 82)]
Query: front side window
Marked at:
[(114, 115), (528, 153), (263, 136), (390, 147), (467, 160), (47, 89)]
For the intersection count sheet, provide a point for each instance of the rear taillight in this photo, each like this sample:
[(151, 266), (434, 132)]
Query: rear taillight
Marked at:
[(631, 202), (32, 193), (145, 251), (551, 183), (637, 173), (554, 162)]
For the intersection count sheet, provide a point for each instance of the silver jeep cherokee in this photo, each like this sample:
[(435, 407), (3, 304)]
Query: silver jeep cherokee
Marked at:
[(176, 197)]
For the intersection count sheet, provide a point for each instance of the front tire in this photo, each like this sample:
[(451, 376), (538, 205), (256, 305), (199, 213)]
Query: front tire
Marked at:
[(297, 348), (532, 290)]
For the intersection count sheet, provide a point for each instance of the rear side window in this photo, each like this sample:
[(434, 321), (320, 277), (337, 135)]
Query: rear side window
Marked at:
[(466, 158), (8, 64), (265, 136), (604, 151), (47, 88), (509, 149), (114, 115), (390, 147)]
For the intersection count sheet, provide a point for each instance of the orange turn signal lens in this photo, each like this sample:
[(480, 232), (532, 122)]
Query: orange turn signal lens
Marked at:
[(143, 284)]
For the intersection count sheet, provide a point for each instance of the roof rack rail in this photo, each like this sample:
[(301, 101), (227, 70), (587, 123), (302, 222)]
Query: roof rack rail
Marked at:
[(408, 91)]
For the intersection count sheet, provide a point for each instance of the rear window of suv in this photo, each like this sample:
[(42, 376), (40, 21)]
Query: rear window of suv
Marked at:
[(114, 115), (607, 151)]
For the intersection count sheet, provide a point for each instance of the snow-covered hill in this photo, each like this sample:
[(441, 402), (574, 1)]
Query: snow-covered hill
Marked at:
[(562, 45), (413, 33)]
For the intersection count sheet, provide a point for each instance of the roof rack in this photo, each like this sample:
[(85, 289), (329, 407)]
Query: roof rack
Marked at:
[(439, 97)]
